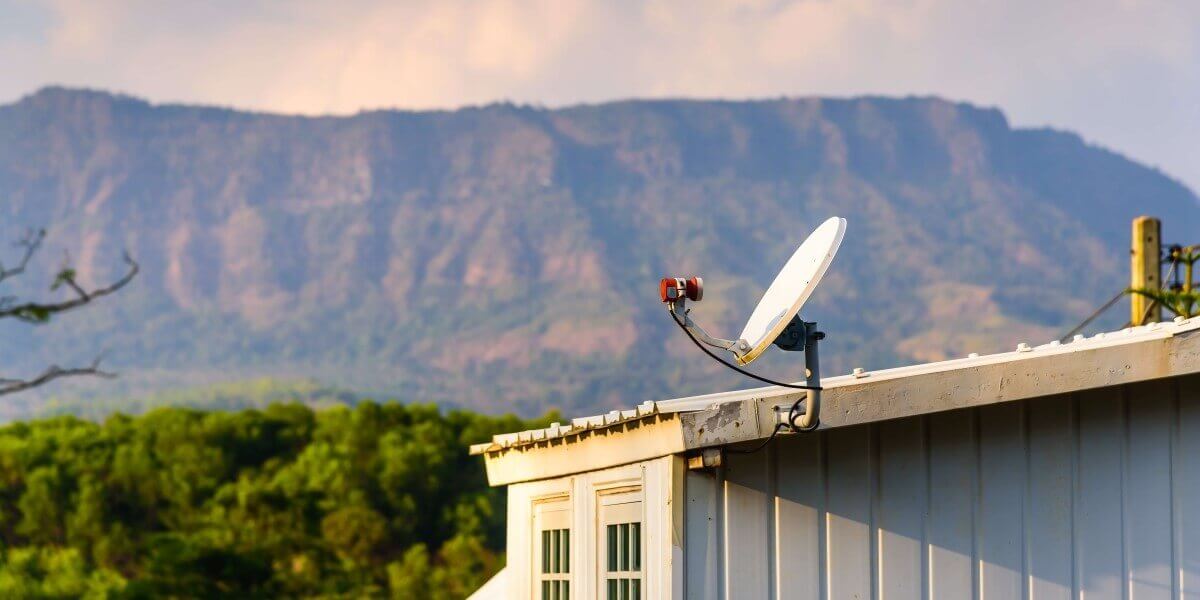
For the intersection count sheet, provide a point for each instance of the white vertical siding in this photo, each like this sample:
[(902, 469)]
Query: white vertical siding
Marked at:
[(702, 529), (950, 520), (901, 502), (747, 525), (1185, 477), (1093, 495), (799, 522)]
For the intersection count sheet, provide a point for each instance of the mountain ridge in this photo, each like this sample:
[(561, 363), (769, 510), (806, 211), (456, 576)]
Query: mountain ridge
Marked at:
[(505, 256)]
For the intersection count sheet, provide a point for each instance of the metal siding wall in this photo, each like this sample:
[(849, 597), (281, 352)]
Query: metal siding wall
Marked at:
[(799, 523), (1094, 495), (1186, 477), (702, 560), (747, 525), (1049, 466)]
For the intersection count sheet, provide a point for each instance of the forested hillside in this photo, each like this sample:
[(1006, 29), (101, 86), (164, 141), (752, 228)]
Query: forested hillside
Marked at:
[(376, 501), (506, 257)]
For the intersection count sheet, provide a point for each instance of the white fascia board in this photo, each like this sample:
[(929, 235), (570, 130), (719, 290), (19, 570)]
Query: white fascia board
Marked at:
[(624, 443), (909, 391), (676, 426)]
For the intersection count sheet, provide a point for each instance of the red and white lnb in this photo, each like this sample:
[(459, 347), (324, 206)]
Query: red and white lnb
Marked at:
[(671, 289)]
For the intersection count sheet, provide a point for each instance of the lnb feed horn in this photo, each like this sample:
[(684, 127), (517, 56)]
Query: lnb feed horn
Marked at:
[(672, 289)]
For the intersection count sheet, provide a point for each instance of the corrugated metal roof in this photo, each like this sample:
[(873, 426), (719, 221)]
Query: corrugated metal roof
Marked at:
[(622, 418)]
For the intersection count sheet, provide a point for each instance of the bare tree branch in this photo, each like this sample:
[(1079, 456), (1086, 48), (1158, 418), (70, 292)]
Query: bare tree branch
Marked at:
[(31, 242), (39, 312), (12, 386)]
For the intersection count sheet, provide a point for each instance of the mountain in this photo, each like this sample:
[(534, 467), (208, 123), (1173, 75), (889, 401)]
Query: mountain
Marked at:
[(507, 257)]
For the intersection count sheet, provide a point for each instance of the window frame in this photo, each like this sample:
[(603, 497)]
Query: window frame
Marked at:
[(616, 507), (551, 580)]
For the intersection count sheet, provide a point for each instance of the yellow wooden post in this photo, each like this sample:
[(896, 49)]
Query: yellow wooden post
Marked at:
[(1145, 270)]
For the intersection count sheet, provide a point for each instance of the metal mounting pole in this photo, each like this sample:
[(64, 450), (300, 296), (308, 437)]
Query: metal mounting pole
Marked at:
[(812, 367), (802, 335)]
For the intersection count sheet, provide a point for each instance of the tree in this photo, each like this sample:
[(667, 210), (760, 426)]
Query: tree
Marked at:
[(285, 502), (38, 312)]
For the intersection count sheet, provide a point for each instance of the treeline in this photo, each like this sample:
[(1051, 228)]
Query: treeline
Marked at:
[(230, 395), (379, 500)]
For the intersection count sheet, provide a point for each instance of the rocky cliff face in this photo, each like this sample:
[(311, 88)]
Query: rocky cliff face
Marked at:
[(506, 257)]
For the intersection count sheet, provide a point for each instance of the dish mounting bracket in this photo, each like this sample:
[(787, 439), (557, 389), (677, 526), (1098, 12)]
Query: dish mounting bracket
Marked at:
[(798, 336), (802, 336)]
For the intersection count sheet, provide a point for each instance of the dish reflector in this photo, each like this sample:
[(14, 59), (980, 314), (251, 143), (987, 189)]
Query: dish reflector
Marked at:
[(792, 287)]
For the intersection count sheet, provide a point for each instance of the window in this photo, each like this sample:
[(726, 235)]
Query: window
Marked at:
[(621, 546), (556, 564), (552, 551), (623, 575)]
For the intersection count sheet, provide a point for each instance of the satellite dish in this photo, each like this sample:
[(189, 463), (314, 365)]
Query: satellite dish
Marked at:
[(774, 321), (791, 288)]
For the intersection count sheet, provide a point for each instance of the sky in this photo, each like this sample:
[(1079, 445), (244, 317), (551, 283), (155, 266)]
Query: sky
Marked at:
[(1125, 74)]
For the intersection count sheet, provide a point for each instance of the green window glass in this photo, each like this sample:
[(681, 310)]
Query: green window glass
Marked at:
[(624, 553), (556, 564)]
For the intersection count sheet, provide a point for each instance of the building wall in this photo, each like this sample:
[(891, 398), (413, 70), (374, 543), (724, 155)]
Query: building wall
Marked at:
[(1090, 495)]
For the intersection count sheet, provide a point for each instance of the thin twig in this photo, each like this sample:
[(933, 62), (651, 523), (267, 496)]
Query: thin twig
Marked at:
[(38, 312), (12, 386), (31, 242)]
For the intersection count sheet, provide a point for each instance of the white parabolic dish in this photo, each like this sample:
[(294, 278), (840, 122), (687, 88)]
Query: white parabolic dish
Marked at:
[(792, 287)]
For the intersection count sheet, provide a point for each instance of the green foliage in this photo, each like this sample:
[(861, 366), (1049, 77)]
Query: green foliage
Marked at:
[(64, 277), (1184, 303), (378, 500)]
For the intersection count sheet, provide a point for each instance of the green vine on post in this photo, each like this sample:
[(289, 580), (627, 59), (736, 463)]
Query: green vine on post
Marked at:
[(1185, 300)]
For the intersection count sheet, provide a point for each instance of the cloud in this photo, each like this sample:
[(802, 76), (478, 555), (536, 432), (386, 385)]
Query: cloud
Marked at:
[(1121, 72)]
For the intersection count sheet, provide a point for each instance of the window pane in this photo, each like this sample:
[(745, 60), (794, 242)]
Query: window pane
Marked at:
[(566, 590), (624, 546), (546, 551), (624, 589), (636, 546), (612, 589), (557, 587), (635, 589), (545, 590), (566, 552), (557, 551), (612, 549)]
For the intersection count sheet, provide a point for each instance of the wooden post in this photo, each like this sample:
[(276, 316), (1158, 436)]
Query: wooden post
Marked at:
[(1145, 270)]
